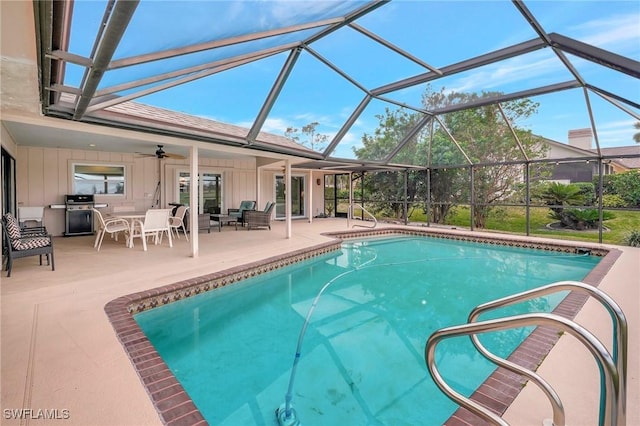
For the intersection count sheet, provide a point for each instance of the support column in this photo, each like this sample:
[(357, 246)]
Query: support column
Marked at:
[(405, 205), (287, 196), (193, 201), (472, 196), (527, 197), (309, 196)]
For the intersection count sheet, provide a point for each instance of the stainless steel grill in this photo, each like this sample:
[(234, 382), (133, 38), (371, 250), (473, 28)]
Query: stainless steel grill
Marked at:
[(78, 214)]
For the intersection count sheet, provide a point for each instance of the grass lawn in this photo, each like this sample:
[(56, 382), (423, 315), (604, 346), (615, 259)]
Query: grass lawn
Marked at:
[(513, 220)]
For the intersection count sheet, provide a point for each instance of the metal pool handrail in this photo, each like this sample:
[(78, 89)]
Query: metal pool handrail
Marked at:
[(375, 221), (608, 372), (620, 330)]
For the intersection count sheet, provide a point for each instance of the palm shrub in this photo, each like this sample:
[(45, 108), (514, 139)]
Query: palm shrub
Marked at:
[(558, 195), (582, 219)]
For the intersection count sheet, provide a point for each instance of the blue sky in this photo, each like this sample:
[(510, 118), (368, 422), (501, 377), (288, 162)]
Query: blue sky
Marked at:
[(441, 33)]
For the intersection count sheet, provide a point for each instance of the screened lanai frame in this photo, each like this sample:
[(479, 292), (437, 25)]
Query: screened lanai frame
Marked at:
[(101, 64)]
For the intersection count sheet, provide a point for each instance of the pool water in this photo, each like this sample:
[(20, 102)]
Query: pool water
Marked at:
[(362, 358)]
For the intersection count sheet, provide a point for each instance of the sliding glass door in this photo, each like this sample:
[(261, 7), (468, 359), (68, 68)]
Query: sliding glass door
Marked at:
[(297, 196), (211, 190)]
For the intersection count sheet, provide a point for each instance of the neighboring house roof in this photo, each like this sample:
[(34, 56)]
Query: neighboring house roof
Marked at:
[(566, 149), (630, 163), (572, 151)]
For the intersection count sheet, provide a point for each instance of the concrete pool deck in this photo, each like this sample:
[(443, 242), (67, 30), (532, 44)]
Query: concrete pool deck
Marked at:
[(61, 357)]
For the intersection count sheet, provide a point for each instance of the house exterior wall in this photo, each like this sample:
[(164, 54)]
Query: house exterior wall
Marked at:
[(44, 178)]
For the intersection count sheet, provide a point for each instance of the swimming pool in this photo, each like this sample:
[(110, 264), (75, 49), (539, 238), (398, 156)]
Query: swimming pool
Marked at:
[(232, 349)]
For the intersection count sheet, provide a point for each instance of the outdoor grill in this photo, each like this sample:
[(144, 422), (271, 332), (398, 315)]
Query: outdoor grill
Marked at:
[(78, 214)]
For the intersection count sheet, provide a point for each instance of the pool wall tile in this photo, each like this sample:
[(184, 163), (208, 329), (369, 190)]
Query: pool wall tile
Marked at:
[(499, 390)]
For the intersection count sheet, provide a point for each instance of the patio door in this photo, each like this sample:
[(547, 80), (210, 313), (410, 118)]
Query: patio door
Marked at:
[(297, 196), (211, 194), (336, 195)]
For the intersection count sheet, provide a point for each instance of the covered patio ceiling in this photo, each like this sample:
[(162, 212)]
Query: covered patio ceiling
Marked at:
[(248, 71)]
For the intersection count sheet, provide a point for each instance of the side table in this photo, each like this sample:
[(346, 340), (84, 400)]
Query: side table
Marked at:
[(222, 219)]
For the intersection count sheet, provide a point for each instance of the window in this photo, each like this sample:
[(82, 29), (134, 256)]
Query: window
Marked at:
[(98, 179)]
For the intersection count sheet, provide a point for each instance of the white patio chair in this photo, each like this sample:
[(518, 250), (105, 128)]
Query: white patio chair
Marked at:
[(177, 221), (112, 226), (155, 224)]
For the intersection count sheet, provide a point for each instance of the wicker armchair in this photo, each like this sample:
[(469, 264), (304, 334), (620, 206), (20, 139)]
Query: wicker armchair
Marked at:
[(238, 213), (258, 219), (25, 242)]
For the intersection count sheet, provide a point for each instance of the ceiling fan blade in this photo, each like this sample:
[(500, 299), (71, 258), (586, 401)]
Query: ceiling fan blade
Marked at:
[(174, 156)]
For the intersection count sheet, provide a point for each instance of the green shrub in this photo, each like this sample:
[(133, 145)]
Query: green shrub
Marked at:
[(587, 191), (613, 201), (625, 184), (632, 238)]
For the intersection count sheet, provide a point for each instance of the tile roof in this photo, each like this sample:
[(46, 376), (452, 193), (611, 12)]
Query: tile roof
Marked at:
[(631, 163), (147, 115)]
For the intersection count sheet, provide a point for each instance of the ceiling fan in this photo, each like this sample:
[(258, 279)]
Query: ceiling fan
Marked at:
[(160, 154)]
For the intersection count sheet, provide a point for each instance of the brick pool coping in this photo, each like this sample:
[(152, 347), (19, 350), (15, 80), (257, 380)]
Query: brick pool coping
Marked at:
[(175, 407)]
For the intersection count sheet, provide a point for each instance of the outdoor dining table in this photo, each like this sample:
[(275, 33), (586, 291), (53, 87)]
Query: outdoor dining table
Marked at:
[(131, 218)]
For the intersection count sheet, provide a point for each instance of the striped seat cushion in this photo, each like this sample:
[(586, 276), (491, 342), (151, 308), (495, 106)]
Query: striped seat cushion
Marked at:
[(30, 243)]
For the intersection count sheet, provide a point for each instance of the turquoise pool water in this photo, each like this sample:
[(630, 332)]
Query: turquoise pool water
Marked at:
[(362, 358)]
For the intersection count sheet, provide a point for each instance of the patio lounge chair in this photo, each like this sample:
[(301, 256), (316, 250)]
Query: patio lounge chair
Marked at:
[(23, 243), (238, 213), (258, 219)]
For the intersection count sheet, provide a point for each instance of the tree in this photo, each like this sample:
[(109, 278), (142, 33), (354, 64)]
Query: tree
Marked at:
[(308, 136), (486, 139), (387, 188), (480, 132)]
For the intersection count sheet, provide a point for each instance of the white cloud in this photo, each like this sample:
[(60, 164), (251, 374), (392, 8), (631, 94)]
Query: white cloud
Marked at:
[(276, 126), (515, 70), (612, 31)]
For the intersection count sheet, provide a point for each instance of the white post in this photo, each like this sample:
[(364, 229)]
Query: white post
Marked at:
[(310, 196), (259, 201), (287, 196), (350, 211), (193, 200)]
